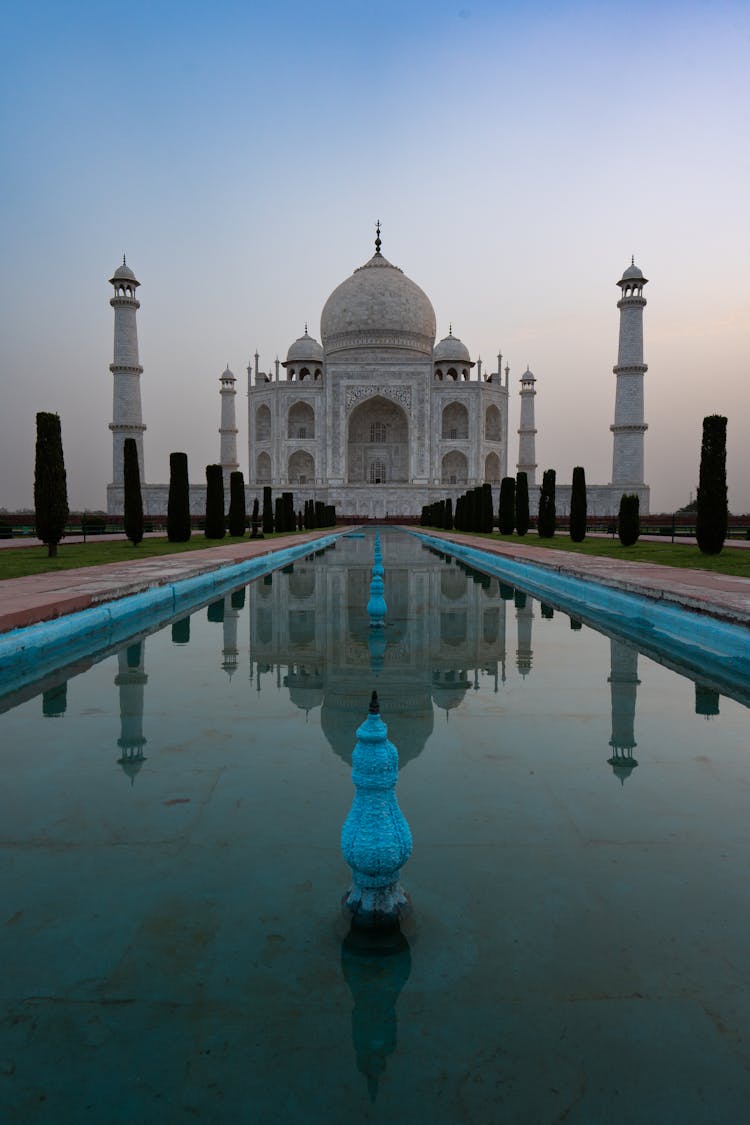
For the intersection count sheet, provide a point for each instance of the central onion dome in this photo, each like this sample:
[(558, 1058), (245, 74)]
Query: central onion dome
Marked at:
[(378, 307)]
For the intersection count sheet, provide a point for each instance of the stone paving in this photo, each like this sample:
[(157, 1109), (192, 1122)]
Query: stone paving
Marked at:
[(24, 601), (723, 596)]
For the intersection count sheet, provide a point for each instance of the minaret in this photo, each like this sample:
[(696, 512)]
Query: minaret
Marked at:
[(629, 427), (228, 429), (126, 411), (527, 431)]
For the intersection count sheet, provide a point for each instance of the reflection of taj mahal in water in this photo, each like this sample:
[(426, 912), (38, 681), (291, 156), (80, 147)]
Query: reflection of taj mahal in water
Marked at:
[(377, 418), (451, 631)]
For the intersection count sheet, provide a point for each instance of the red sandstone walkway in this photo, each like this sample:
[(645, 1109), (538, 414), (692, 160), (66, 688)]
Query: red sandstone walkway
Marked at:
[(42, 597), (720, 595)]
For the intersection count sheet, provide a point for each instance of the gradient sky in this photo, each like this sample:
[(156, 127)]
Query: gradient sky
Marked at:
[(517, 155)]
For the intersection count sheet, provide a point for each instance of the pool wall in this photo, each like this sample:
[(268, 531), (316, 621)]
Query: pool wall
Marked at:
[(34, 651), (693, 639)]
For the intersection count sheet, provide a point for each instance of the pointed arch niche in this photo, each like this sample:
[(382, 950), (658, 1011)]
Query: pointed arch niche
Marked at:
[(263, 469), (455, 422), (378, 443), (455, 469), (493, 429), (492, 468), (263, 423), (301, 468), (301, 422)]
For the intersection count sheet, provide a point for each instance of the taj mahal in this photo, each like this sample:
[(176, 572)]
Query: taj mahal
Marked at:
[(377, 418)]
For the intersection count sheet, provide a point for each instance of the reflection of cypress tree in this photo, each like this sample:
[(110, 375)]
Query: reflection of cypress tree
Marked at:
[(575, 623), (181, 631), (134, 653), (238, 598), (547, 611), (507, 593), (519, 599), (706, 701), (376, 967), (55, 701), (215, 612)]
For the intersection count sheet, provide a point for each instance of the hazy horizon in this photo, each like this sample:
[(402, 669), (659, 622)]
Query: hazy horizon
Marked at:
[(516, 154)]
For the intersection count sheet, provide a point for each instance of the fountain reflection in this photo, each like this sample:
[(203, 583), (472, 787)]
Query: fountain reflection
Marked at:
[(376, 966)]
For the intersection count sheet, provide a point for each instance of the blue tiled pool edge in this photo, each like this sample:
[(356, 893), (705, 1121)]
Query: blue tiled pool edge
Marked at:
[(29, 653), (693, 638)]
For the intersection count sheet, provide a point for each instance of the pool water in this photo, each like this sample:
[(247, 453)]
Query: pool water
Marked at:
[(171, 934)]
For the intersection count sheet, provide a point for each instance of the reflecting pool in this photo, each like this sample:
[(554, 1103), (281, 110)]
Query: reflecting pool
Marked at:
[(171, 934)]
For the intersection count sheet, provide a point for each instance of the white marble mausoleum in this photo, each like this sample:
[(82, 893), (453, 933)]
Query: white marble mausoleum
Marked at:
[(376, 417)]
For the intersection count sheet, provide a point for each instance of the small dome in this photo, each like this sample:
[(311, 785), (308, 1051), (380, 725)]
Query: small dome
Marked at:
[(305, 348), (228, 375), (528, 376), (451, 350), (378, 306), (632, 273), (123, 272)]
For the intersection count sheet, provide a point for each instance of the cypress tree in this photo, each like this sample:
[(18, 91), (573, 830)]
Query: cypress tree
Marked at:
[(578, 506), (215, 528), (50, 485), (237, 513), (448, 525), (522, 503), (486, 508), (267, 511), (255, 520), (628, 519), (178, 504), (279, 523), (133, 501), (547, 518), (507, 507), (712, 513)]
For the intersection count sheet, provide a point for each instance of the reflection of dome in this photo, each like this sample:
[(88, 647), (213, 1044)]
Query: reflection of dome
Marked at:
[(306, 689), (449, 689), (378, 306), (451, 350), (406, 711), (305, 348)]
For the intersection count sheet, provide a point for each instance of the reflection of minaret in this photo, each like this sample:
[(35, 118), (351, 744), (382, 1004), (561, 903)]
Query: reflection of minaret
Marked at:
[(524, 617), (131, 680), (230, 651), (623, 681), (376, 966)]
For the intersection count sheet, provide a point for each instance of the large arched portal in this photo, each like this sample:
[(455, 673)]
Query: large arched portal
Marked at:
[(378, 443)]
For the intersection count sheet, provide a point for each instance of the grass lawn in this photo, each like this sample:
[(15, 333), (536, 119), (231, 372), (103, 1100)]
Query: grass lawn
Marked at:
[(731, 560), (15, 562)]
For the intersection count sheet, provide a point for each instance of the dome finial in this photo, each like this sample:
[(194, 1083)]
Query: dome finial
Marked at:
[(305, 327), (450, 329), (123, 260), (632, 259), (377, 237)]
